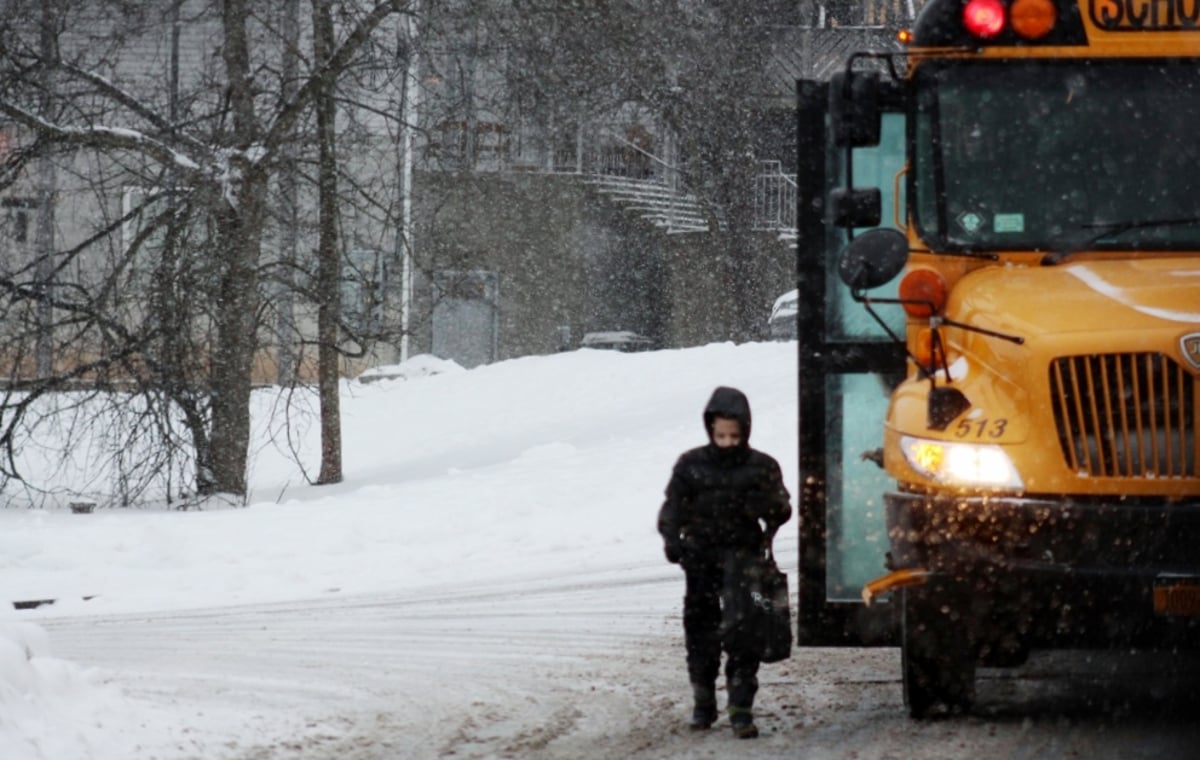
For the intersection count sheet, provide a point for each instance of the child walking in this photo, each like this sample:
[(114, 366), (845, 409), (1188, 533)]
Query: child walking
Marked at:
[(724, 500)]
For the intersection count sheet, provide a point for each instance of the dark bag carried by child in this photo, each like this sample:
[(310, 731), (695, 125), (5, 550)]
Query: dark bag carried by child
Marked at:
[(755, 616)]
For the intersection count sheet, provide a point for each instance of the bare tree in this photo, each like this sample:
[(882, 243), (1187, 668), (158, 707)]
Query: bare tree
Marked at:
[(219, 156)]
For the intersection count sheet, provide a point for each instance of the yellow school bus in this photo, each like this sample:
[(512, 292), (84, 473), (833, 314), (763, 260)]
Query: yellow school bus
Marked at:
[(1042, 252)]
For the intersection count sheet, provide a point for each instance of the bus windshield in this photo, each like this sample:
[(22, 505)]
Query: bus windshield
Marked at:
[(1058, 155)]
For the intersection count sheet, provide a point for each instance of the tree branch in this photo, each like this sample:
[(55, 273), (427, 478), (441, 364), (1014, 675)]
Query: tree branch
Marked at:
[(104, 138), (328, 69)]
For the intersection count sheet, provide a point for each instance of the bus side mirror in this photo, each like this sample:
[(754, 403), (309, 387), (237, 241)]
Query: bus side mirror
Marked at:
[(854, 112), (873, 258), (857, 102), (855, 207)]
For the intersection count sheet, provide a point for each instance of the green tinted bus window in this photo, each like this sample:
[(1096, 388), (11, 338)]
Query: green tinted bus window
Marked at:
[(873, 167), (857, 540)]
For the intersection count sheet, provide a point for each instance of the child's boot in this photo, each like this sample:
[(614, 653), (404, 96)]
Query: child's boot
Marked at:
[(742, 721), (704, 710)]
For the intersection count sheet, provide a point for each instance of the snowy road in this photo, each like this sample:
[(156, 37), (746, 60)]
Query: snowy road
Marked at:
[(588, 666)]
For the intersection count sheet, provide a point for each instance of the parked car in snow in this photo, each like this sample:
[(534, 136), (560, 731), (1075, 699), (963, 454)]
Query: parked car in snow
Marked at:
[(617, 340)]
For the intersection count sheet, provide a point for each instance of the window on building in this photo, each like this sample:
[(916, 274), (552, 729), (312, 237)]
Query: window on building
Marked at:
[(17, 219)]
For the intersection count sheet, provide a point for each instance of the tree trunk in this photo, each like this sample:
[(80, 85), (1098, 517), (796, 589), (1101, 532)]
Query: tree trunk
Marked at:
[(328, 262), (240, 233), (239, 220)]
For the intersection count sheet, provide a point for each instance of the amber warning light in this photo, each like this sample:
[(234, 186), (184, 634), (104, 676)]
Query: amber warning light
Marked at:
[(1032, 19), (923, 293)]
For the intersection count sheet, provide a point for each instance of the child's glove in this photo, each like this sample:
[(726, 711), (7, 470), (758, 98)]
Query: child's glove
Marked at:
[(674, 551)]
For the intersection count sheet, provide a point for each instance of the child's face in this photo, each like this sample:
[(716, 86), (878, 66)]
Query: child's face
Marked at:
[(726, 432)]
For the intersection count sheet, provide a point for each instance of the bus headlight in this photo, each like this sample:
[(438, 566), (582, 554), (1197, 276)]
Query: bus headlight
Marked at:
[(961, 464)]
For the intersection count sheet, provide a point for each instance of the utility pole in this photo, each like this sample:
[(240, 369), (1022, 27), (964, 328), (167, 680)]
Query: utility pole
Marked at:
[(47, 182), (285, 322), (410, 93)]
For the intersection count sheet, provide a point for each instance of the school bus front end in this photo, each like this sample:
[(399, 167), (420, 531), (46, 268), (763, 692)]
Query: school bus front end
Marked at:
[(1069, 474), (1043, 443)]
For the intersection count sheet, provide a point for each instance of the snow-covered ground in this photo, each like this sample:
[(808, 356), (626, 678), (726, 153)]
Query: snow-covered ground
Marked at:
[(487, 582), (524, 471)]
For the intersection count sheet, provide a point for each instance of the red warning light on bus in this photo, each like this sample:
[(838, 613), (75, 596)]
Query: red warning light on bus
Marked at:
[(984, 18)]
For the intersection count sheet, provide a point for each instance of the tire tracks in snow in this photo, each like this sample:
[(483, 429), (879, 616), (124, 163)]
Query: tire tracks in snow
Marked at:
[(588, 665)]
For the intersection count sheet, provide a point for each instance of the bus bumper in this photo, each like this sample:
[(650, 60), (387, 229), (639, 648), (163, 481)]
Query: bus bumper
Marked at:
[(1064, 571)]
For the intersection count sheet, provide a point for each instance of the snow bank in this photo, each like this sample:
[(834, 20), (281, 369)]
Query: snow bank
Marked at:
[(49, 708), (421, 365)]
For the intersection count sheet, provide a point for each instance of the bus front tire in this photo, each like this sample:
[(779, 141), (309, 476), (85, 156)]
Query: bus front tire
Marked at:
[(937, 662)]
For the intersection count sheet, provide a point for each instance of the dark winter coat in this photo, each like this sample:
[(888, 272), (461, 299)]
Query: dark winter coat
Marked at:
[(721, 499)]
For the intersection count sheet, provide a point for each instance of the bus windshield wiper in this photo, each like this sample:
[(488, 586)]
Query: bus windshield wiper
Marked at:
[(1108, 229)]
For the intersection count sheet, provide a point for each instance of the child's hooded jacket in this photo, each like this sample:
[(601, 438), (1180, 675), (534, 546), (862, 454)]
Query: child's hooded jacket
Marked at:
[(717, 497)]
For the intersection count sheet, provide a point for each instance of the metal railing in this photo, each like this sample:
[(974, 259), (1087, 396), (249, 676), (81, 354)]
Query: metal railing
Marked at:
[(603, 152), (774, 198)]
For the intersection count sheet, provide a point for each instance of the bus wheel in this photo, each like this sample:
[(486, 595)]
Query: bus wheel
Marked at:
[(937, 661)]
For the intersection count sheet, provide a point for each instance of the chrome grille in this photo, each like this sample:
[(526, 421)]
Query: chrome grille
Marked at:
[(1125, 415)]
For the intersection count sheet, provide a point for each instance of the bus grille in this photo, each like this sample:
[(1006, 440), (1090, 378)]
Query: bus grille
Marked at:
[(1125, 415)]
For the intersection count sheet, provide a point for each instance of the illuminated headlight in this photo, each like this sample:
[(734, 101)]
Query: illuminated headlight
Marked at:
[(961, 464)]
